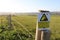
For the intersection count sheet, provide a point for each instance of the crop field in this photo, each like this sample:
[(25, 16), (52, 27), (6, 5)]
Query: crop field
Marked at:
[(19, 27), (23, 27)]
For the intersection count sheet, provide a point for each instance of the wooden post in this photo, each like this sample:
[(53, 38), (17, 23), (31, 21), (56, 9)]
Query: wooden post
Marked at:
[(43, 34), (1, 20), (9, 21)]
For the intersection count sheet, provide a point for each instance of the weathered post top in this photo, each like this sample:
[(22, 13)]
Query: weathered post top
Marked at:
[(43, 11)]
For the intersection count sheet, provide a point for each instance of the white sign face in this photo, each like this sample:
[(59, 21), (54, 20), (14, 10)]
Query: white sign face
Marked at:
[(44, 16)]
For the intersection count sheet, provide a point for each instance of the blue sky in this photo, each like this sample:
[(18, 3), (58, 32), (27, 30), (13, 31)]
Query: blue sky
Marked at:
[(29, 5)]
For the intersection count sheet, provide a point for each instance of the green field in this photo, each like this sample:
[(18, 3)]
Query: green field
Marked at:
[(23, 27), (55, 27)]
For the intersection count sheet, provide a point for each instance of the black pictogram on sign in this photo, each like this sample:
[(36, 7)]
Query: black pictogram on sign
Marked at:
[(44, 18)]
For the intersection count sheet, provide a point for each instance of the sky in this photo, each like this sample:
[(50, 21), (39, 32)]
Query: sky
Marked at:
[(29, 5)]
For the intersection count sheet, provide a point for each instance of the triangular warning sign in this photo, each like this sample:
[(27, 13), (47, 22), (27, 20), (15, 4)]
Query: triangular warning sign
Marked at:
[(44, 18)]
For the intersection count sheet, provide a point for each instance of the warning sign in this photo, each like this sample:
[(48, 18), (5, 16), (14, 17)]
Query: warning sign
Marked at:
[(43, 19), (44, 16)]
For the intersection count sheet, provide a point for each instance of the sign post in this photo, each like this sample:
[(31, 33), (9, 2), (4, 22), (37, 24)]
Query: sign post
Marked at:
[(42, 31)]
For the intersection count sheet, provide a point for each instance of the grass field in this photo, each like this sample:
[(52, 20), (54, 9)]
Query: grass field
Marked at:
[(23, 27), (55, 27)]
